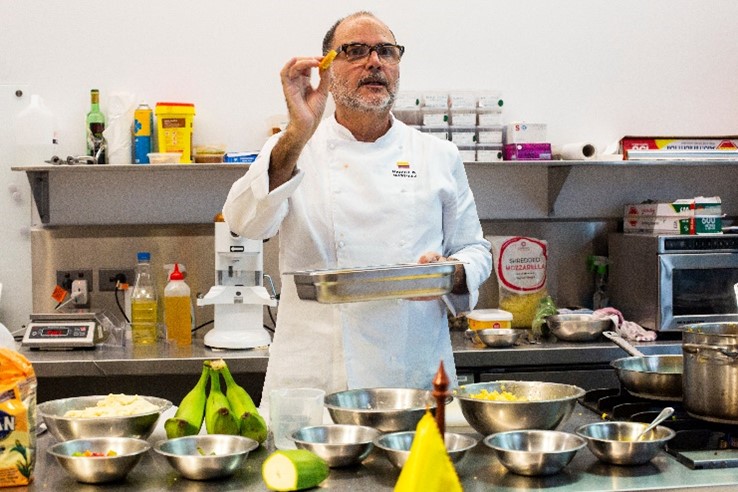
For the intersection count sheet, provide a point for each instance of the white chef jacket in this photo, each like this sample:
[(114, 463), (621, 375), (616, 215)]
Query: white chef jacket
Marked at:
[(355, 204)]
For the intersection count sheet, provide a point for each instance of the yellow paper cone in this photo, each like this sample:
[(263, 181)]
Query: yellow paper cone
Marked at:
[(428, 468)]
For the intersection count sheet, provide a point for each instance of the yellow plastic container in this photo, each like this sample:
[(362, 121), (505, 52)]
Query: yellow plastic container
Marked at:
[(481, 319), (174, 126)]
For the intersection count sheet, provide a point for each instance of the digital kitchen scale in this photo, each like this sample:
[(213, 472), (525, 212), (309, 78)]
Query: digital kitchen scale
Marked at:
[(63, 331)]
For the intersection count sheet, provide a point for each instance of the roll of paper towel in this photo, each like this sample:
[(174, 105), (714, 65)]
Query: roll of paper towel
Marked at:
[(118, 133), (579, 151)]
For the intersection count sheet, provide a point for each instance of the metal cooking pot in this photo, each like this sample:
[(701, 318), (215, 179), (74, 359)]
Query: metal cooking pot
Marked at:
[(711, 371), (658, 377)]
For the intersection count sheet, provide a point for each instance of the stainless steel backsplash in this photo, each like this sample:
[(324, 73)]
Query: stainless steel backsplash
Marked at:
[(111, 247)]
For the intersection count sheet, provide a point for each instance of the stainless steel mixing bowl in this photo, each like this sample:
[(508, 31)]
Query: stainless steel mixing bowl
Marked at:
[(539, 405), (615, 442), (577, 327), (338, 444), (206, 456), (67, 428), (99, 469), (495, 337), (385, 409), (396, 446), (535, 452)]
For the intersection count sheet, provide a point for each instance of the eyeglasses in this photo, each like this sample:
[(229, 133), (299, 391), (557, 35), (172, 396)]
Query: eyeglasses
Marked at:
[(388, 53)]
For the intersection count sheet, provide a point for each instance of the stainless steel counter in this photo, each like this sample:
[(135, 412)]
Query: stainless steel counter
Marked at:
[(480, 471), (169, 371)]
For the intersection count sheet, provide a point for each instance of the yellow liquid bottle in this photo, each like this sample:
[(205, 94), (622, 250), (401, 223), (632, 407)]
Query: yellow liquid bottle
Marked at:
[(143, 321), (178, 309), (144, 310)]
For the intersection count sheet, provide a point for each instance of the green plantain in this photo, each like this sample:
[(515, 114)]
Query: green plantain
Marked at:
[(219, 418), (187, 421), (251, 423)]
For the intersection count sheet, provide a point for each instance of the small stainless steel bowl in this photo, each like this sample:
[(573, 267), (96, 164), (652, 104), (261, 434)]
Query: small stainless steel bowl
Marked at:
[(338, 444), (615, 442), (540, 405), (385, 409), (396, 446), (206, 456), (496, 337), (68, 428), (577, 327), (535, 452), (99, 469)]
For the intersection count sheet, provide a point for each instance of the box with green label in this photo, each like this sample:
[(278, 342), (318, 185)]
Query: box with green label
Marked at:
[(700, 224)]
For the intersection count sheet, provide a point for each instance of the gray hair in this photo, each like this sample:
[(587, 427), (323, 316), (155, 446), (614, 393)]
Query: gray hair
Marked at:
[(331, 34)]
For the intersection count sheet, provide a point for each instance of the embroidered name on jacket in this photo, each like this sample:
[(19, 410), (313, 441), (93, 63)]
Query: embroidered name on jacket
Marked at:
[(403, 170)]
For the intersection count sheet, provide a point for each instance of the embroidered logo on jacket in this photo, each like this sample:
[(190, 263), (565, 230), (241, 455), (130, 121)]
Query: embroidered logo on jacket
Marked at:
[(403, 170)]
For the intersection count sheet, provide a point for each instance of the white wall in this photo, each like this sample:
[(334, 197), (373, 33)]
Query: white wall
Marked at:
[(592, 69)]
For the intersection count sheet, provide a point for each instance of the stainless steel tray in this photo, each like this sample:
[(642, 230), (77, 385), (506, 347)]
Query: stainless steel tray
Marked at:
[(376, 283)]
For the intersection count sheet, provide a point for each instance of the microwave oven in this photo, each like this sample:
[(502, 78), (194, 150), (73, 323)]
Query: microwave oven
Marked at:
[(665, 282)]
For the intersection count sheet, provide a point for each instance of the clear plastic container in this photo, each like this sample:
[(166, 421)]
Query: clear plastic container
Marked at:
[(144, 310), (178, 309)]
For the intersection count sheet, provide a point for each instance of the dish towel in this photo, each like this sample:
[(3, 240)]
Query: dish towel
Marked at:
[(629, 330)]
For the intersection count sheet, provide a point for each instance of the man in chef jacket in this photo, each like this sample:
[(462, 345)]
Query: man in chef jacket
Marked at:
[(359, 188)]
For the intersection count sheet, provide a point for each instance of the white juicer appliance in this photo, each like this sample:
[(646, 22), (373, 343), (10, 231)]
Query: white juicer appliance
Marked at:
[(239, 295)]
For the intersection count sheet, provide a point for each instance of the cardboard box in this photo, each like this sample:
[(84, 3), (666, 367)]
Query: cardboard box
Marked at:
[(728, 142), (686, 207), (527, 152), (674, 225), (524, 133)]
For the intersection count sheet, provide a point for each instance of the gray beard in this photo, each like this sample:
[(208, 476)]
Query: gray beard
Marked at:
[(342, 97)]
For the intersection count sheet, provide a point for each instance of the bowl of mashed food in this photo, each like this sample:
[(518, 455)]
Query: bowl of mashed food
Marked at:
[(113, 415)]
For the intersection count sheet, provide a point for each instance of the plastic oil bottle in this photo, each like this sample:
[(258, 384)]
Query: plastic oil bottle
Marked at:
[(178, 309), (144, 313)]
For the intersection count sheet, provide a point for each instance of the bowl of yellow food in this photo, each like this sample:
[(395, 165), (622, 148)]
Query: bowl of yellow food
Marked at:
[(114, 415), (500, 406)]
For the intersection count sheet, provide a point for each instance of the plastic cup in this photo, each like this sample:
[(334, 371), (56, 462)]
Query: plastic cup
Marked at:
[(291, 409)]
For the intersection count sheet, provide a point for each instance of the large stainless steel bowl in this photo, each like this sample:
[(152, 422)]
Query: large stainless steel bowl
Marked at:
[(99, 469), (68, 428), (539, 405), (577, 327), (206, 456), (385, 409), (535, 452), (339, 445), (396, 446), (616, 443)]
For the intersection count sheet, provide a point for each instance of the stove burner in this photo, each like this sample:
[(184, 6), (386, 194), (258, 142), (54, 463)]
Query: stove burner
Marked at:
[(698, 444)]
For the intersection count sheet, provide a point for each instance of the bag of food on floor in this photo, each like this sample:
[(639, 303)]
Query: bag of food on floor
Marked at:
[(17, 419), (520, 265)]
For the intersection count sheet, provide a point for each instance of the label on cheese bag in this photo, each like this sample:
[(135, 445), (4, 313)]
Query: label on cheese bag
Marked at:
[(520, 265), (17, 419)]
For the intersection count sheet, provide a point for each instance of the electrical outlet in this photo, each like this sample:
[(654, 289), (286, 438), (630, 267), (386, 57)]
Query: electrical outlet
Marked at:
[(64, 278), (108, 276)]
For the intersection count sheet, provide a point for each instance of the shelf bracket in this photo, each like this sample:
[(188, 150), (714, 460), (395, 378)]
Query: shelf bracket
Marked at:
[(39, 181), (556, 178)]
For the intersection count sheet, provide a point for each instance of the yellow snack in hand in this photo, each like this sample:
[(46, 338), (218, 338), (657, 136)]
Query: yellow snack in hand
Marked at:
[(327, 60)]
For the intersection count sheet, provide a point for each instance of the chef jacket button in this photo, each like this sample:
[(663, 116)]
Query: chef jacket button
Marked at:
[(331, 146), (341, 244), (402, 243), (337, 191)]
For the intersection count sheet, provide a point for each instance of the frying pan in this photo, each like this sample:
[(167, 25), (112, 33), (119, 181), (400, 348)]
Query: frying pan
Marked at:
[(657, 377)]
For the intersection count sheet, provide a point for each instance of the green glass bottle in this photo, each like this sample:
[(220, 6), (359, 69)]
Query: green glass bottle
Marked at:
[(95, 126)]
